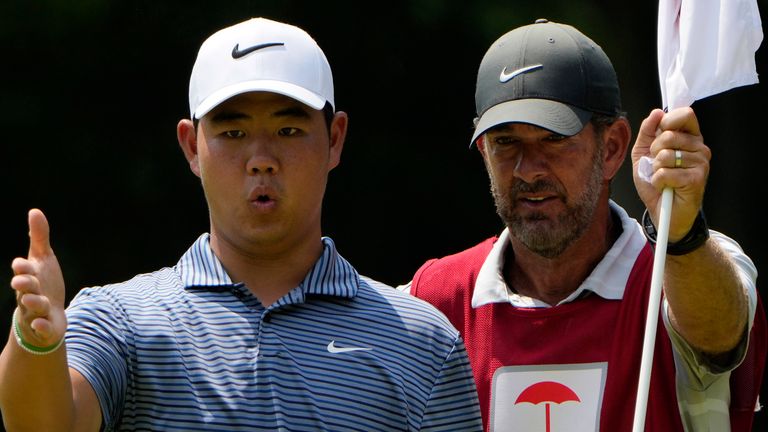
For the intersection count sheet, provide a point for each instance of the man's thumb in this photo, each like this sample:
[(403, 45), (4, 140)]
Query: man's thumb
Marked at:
[(649, 128), (39, 234)]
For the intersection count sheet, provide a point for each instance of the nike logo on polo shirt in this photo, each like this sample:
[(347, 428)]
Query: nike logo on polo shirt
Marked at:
[(333, 349), (237, 52), (504, 77)]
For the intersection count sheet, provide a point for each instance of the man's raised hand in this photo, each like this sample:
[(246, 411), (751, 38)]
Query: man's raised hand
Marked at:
[(39, 286)]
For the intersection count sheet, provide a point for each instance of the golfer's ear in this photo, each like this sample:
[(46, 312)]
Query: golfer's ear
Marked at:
[(338, 134), (187, 137), (480, 143)]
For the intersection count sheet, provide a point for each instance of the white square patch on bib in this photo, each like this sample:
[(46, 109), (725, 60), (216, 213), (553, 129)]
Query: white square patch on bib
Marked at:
[(548, 398)]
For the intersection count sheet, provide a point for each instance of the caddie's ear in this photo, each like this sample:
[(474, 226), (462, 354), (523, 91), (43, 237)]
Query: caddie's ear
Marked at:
[(616, 137), (187, 137)]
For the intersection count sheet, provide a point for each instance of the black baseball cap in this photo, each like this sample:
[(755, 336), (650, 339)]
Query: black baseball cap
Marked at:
[(545, 74)]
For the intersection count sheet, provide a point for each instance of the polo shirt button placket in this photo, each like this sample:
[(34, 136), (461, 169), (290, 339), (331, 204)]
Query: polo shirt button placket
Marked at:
[(266, 319)]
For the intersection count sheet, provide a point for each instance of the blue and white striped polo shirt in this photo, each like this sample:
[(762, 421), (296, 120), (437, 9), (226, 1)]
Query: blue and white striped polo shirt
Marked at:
[(185, 349)]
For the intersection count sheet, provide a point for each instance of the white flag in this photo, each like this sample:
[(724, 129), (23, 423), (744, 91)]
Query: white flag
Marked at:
[(706, 47)]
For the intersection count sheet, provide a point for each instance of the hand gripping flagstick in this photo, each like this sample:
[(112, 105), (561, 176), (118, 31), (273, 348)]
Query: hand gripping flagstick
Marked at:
[(704, 48)]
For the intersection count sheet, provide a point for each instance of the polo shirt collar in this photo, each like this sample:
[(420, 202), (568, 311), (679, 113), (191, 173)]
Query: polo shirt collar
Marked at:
[(199, 266), (332, 275), (608, 279)]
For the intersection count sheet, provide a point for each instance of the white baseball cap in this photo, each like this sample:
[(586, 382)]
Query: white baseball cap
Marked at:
[(259, 55)]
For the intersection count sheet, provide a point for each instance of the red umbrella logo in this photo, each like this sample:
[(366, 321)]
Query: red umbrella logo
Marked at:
[(547, 392)]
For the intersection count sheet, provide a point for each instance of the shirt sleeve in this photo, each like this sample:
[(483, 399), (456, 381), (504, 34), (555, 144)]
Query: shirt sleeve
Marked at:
[(97, 348), (703, 387), (453, 403)]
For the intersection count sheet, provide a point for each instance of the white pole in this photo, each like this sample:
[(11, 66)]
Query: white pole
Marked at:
[(654, 302)]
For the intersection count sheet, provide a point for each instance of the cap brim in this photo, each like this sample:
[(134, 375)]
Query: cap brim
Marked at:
[(555, 116), (287, 89)]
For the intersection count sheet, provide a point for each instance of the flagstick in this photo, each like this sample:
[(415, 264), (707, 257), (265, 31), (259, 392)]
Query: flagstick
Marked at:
[(654, 301)]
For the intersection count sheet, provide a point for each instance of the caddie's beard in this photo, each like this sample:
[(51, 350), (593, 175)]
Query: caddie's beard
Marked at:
[(549, 239)]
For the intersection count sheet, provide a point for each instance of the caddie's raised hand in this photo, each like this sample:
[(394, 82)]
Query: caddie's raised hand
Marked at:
[(39, 287), (679, 159)]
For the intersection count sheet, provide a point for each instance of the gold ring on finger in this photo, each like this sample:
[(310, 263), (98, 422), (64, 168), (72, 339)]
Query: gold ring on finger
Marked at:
[(678, 158)]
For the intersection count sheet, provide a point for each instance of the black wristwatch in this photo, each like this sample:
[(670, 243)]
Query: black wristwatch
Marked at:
[(696, 237)]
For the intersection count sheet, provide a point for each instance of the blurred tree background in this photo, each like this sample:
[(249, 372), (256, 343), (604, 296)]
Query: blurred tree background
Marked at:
[(93, 89)]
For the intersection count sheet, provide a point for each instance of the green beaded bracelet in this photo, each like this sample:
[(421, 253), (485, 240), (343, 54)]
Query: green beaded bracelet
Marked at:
[(31, 348)]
